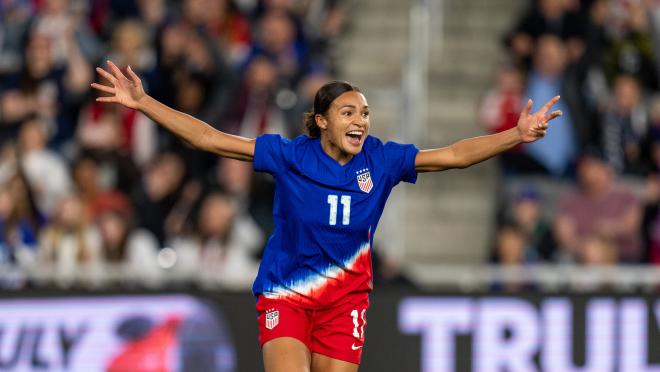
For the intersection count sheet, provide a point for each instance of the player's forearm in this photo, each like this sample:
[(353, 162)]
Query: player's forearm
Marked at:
[(196, 132), (474, 150), (183, 125)]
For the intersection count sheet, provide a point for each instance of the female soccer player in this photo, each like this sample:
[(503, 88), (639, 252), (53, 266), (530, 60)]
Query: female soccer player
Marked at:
[(331, 186)]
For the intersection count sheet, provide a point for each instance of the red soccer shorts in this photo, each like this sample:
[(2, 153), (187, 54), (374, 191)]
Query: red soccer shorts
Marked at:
[(336, 332)]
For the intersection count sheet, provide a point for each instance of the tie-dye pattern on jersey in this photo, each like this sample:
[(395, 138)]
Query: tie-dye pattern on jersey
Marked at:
[(320, 250), (310, 288)]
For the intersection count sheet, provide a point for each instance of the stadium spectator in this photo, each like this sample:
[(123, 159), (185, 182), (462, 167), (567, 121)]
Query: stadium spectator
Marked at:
[(624, 127), (64, 22), (192, 97), (630, 50), (14, 24), (226, 25), (70, 245), (185, 50), (254, 109), (596, 88), (305, 99), (600, 207), (596, 32), (277, 39), (25, 206), (153, 14), (96, 191), (117, 135), (599, 253), (224, 244), (198, 56), (252, 192), (130, 45), (324, 21), (554, 17), (556, 153), (45, 89), (525, 214), (598, 250), (194, 78), (501, 104), (510, 246), (135, 250), (45, 170), (157, 193), (499, 110), (180, 220), (18, 235), (388, 271), (235, 177), (510, 253)]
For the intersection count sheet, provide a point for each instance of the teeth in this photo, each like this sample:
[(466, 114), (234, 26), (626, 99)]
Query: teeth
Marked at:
[(355, 132)]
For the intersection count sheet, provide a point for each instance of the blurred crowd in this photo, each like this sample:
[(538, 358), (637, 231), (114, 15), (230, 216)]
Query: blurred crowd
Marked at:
[(84, 184), (602, 154)]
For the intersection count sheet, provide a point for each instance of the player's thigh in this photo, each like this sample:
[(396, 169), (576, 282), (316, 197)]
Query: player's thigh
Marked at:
[(323, 363), (338, 334), (286, 354)]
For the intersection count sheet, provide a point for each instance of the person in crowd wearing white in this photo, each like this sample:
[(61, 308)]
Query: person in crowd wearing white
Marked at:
[(45, 169), (222, 245)]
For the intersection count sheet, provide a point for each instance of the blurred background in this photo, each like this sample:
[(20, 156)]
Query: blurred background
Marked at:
[(124, 249)]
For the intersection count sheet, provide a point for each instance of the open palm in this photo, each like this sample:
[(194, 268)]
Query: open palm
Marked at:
[(124, 91), (534, 126)]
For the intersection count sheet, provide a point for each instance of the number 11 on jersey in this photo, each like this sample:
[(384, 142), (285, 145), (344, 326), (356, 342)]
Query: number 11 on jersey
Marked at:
[(346, 209)]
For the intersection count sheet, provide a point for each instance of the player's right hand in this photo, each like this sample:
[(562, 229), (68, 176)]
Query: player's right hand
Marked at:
[(123, 91)]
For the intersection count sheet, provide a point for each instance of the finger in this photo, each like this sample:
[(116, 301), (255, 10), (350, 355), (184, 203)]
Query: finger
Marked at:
[(553, 115), (107, 99), (116, 71), (541, 126), (107, 75), (526, 110), (103, 88), (540, 132), (134, 76), (549, 104)]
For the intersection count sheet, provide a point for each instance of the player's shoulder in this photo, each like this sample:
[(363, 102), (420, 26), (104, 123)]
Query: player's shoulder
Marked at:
[(303, 139), (300, 140), (301, 147), (372, 143)]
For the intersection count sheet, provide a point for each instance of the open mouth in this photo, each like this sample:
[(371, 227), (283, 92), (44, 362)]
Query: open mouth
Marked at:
[(355, 137)]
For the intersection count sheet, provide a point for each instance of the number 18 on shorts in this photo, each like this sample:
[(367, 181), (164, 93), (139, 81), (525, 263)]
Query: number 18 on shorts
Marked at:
[(336, 332)]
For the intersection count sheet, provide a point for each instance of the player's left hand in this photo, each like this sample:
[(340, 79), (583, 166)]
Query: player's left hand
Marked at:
[(534, 126)]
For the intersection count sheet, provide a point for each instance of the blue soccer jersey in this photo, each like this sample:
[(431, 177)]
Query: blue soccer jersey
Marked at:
[(325, 216)]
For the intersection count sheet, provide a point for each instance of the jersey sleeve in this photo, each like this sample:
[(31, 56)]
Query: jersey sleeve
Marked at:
[(270, 153), (400, 161)]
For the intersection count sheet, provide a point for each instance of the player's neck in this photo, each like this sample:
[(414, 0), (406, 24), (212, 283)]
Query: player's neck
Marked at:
[(335, 152)]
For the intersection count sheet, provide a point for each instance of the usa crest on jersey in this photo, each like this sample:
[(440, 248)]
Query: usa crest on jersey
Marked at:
[(364, 180), (272, 318)]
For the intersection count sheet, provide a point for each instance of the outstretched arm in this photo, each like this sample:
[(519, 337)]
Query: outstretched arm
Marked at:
[(130, 93), (467, 152)]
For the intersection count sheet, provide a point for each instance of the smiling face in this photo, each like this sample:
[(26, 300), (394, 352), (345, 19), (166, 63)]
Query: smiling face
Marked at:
[(345, 126)]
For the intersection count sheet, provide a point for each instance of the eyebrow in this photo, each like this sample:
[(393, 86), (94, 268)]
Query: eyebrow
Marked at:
[(352, 106)]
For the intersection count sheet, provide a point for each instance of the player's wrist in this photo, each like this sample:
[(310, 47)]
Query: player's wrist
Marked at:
[(142, 102), (517, 136)]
